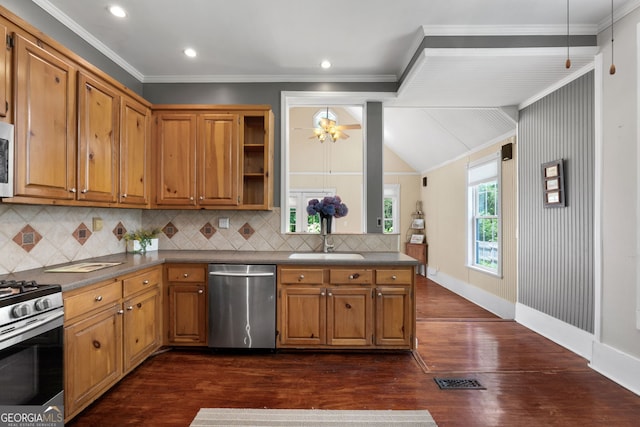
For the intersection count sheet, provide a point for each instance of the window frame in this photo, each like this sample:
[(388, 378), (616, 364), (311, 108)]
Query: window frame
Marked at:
[(392, 191), (472, 216), (302, 197)]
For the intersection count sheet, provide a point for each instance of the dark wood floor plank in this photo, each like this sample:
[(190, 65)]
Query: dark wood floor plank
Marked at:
[(529, 380)]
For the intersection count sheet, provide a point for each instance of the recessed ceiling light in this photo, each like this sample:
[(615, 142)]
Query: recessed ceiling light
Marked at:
[(117, 11), (325, 64), (191, 53)]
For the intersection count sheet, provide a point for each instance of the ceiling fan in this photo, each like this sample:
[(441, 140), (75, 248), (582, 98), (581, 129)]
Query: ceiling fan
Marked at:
[(328, 128)]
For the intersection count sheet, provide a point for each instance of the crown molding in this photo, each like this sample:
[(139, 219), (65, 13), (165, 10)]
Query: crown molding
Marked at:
[(88, 37), (249, 78), (506, 30), (618, 14)]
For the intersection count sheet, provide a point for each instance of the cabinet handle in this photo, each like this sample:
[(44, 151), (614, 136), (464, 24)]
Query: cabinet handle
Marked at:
[(191, 198), (301, 277), (124, 196), (200, 291), (330, 294), (72, 190), (84, 190), (201, 197), (185, 275), (99, 298), (393, 277), (97, 344), (354, 276), (145, 282), (322, 293), (121, 311), (379, 294), (130, 308)]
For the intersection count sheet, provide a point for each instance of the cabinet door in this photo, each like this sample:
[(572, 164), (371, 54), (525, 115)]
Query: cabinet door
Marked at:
[(349, 316), (187, 316), (134, 153), (303, 316), (218, 159), (93, 357), (44, 123), (393, 316), (176, 145), (141, 327), (4, 71), (98, 140)]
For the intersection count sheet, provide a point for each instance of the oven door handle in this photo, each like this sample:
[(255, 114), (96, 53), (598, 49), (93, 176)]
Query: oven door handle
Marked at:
[(44, 323)]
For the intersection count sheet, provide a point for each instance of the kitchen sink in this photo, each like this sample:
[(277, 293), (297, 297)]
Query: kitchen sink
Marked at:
[(328, 256)]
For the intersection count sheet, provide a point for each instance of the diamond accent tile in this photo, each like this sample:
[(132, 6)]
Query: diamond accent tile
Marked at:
[(246, 231), (208, 230), (82, 233), (119, 231), (170, 230), (27, 238)]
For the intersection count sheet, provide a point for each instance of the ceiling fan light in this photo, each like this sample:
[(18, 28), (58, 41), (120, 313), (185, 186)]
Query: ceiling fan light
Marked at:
[(191, 53), (325, 64)]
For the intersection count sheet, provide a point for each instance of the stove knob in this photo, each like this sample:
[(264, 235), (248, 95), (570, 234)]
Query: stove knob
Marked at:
[(21, 310), (43, 304)]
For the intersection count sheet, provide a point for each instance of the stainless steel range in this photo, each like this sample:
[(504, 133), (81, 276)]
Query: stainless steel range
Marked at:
[(31, 344)]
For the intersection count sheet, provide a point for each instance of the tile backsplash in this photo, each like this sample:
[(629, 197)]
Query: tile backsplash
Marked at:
[(39, 236)]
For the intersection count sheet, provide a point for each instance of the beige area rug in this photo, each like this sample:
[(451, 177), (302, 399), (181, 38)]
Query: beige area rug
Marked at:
[(310, 417)]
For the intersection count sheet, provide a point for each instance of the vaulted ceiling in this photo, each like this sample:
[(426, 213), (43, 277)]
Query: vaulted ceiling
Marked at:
[(452, 97)]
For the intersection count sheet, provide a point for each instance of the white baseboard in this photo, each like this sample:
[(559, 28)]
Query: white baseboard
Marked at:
[(608, 361), (617, 366), (568, 336), (494, 304)]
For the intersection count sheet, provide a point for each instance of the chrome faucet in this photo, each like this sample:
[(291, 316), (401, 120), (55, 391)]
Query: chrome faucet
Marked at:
[(326, 246)]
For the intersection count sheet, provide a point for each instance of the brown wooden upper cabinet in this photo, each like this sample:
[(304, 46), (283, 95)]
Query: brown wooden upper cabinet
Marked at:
[(135, 151), (98, 139), (4, 71), (45, 122), (213, 156), (107, 164)]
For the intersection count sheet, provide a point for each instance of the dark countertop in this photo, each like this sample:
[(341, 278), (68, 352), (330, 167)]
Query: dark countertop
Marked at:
[(132, 263)]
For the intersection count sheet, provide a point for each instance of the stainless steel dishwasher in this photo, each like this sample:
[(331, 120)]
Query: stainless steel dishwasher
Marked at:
[(242, 306)]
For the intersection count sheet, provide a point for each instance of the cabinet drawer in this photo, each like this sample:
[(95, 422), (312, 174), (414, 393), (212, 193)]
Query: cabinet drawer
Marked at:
[(186, 274), (394, 277), (350, 276), (300, 275), (145, 280), (84, 302)]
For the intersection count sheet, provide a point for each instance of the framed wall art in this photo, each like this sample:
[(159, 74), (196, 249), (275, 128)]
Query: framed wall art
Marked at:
[(553, 188)]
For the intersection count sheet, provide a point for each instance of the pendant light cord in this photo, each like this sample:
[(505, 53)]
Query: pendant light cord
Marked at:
[(612, 69), (568, 62)]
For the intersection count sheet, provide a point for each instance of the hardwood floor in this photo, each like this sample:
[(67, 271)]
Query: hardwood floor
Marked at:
[(529, 380)]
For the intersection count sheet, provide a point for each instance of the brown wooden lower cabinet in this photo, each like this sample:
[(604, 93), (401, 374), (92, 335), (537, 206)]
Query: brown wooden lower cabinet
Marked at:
[(110, 328), (186, 307), (348, 308)]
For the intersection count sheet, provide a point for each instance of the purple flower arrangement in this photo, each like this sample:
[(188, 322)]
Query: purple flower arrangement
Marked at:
[(328, 206)]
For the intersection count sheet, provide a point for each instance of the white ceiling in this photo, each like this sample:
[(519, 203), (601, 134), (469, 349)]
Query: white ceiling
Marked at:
[(448, 104)]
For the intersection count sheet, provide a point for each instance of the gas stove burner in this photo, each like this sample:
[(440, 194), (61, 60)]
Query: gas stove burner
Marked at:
[(6, 291)]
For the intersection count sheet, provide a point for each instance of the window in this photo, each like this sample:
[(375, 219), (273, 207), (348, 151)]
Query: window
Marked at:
[(484, 214), (299, 220), (391, 200)]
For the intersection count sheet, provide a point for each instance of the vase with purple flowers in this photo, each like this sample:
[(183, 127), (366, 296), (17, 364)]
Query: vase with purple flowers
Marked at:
[(328, 208)]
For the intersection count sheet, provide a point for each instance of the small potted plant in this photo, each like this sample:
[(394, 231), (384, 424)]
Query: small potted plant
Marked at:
[(140, 241)]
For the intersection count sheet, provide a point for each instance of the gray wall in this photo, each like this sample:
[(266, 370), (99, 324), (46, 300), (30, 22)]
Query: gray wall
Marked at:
[(556, 245)]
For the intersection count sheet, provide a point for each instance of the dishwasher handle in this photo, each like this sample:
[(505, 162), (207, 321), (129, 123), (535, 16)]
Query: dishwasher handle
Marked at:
[(230, 274)]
